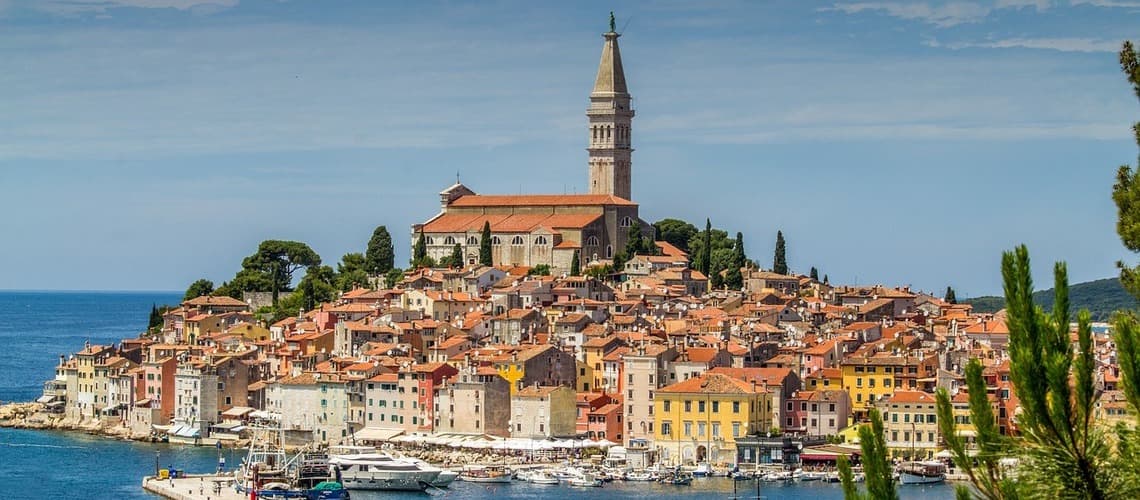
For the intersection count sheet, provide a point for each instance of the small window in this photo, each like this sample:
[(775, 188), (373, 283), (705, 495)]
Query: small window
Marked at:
[(626, 222), (593, 241), (429, 240), (540, 240), (517, 241), (471, 240), (496, 241), (449, 241)]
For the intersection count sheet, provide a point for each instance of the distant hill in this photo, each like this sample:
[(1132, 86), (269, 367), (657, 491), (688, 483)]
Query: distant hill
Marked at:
[(1100, 297)]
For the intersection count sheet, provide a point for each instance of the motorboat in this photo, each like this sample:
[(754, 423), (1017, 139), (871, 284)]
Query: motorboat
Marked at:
[(445, 478), (486, 474), (922, 472), (678, 478), (541, 477), (367, 469), (704, 470), (813, 476), (586, 480), (640, 475)]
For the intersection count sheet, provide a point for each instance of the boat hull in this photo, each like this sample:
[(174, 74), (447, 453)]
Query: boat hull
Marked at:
[(909, 478), (388, 481)]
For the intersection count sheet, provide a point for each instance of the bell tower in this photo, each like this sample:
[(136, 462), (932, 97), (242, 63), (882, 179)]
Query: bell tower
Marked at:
[(610, 116)]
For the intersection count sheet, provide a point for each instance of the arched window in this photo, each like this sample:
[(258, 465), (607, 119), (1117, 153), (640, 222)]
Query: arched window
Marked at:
[(471, 240), (518, 241), (449, 241), (540, 240), (496, 241), (626, 222), (609, 251), (593, 241), (428, 240)]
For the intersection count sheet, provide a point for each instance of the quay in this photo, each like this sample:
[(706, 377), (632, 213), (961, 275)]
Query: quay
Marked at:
[(194, 487)]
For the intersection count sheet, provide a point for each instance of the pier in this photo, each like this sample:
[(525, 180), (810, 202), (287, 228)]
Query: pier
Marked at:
[(194, 487)]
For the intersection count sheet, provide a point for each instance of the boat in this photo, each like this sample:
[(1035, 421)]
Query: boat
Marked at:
[(328, 490), (678, 478), (704, 470), (363, 468), (485, 474), (640, 475), (541, 477), (922, 472), (445, 478), (587, 480), (813, 476)]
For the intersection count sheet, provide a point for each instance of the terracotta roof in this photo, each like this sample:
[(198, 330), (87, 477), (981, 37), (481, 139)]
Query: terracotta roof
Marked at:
[(210, 300), (912, 397), (504, 223), (473, 200), (531, 391), (712, 383)]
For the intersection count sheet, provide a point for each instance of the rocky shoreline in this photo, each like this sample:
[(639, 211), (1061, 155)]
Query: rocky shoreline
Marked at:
[(32, 416)]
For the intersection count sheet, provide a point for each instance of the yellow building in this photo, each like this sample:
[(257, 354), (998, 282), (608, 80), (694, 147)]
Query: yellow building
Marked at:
[(700, 419), (910, 425), (868, 380)]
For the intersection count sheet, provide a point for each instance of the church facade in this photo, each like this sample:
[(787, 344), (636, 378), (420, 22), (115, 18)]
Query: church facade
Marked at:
[(529, 230)]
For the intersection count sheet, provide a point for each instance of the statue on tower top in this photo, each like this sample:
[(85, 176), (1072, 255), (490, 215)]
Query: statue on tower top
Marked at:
[(613, 23)]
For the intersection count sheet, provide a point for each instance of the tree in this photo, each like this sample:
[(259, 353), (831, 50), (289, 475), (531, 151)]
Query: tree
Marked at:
[(950, 296), (876, 466), (155, 321), (733, 279), (738, 257), (419, 252), (380, 256), (779, 260), (539, 270), (634, 242), (246, 280), (983, 465), (316, 287), (813, 274), (351, 273), (675, 232), (457, 256), (278, 260), (393, 277), (825, 280), (575, 264), (198, 289), (485, 257)]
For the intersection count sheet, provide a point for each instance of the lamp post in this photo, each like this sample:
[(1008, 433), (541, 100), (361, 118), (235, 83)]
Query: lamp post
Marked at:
[(156, 456), (913, 431)]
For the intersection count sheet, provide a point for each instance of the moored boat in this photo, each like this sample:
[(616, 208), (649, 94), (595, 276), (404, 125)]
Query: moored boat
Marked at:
[(922, 472), (486, 474), (361, 469)]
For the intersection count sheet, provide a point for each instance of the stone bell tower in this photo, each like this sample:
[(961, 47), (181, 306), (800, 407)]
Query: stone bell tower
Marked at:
[(610, 116)]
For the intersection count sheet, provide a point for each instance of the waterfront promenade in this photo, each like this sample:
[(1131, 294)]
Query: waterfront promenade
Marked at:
[(194, 487)]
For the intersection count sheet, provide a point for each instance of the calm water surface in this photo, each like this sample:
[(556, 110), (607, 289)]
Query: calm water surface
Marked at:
[(36, 327)]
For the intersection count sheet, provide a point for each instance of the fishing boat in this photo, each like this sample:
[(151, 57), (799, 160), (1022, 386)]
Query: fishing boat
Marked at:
[(678, 478), (587, 480), (922, 472), (541, 477), (640, 475), (704, 469), (328, 490), (485, 474)]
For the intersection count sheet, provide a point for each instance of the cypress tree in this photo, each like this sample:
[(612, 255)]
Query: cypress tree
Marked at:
[(419, 251), (814, 274), (379, 257), (634, 241), (825, 280), (457, 256), (485, 246), (779, 260), (738, 256), (575, 265), (706, 250), (950, 296)]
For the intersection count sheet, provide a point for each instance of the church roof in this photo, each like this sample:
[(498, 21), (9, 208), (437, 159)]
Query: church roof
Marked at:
[(504, 223), (540, 200), (611, 76)]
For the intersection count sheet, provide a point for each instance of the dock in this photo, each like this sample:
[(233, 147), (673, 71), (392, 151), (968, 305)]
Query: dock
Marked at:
[(194, 487)]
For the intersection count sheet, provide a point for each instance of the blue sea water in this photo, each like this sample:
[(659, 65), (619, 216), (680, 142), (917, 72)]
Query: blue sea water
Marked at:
[(36, 327)]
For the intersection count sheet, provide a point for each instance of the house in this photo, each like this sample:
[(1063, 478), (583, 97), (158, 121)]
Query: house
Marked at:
[(699, 419), (540, 412)]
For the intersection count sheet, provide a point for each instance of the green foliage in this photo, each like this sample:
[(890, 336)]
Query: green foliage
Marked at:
[(456, 256), (707, 249), (393, 277), (813, 274), (154, 323), (485, 246), (380, 256), (278, 260), (246, 280), (825, 280), (676, 232), (637, 244), (950, 297), (1126, 191), (351, 272), (876, 465), (419, 251), (198, 289), (983, 465), (1101, 298), (539, 270), (739, 259), (600, 272), (779, 259), (575, 264), (733, 279)]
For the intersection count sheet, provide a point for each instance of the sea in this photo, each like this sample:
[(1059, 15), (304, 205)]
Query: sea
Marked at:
[(37, 327)]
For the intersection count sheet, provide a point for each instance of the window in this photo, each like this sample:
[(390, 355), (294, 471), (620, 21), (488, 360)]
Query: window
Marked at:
[(736, 429), (886, 382), (626, 222), (666, 408), (449, 241), (701, 406), (700, 428), (870, 382), (930, 419), (715, 406), (496, 241), (859, 382), (716, 429), (666, 428), (609, 251), (803, 406), (429, 240), (593, 241), (471, 240), (688, 406), (517, 241), (736, 406), (540, 240), (688, 429)]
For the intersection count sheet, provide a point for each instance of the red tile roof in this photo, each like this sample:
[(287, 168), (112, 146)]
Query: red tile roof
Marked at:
[(473, 200)]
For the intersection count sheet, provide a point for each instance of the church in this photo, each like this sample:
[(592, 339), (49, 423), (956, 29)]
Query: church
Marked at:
[(529, 230)]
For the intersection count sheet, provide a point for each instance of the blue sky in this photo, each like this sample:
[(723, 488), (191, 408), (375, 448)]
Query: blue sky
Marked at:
[(146, 143)]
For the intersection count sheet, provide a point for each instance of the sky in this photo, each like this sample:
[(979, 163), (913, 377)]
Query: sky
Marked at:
[(148, 143)]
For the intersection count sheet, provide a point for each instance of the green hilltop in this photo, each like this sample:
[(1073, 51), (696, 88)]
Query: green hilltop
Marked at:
[(1101, 297)]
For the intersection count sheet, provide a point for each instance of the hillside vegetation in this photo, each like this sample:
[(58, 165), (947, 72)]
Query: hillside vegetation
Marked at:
[(1100, 297)]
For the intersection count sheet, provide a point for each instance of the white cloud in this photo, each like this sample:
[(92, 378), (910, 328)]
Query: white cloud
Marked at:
[(1059, 44), (72, 7), (1108, 3), (944, 15)]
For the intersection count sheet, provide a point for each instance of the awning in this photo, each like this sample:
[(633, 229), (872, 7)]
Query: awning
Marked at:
[(376, 434), (237, 412), (45, 399), (819, 456)]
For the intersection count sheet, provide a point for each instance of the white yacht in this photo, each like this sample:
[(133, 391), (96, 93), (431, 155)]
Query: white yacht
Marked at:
[(363, 468)]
